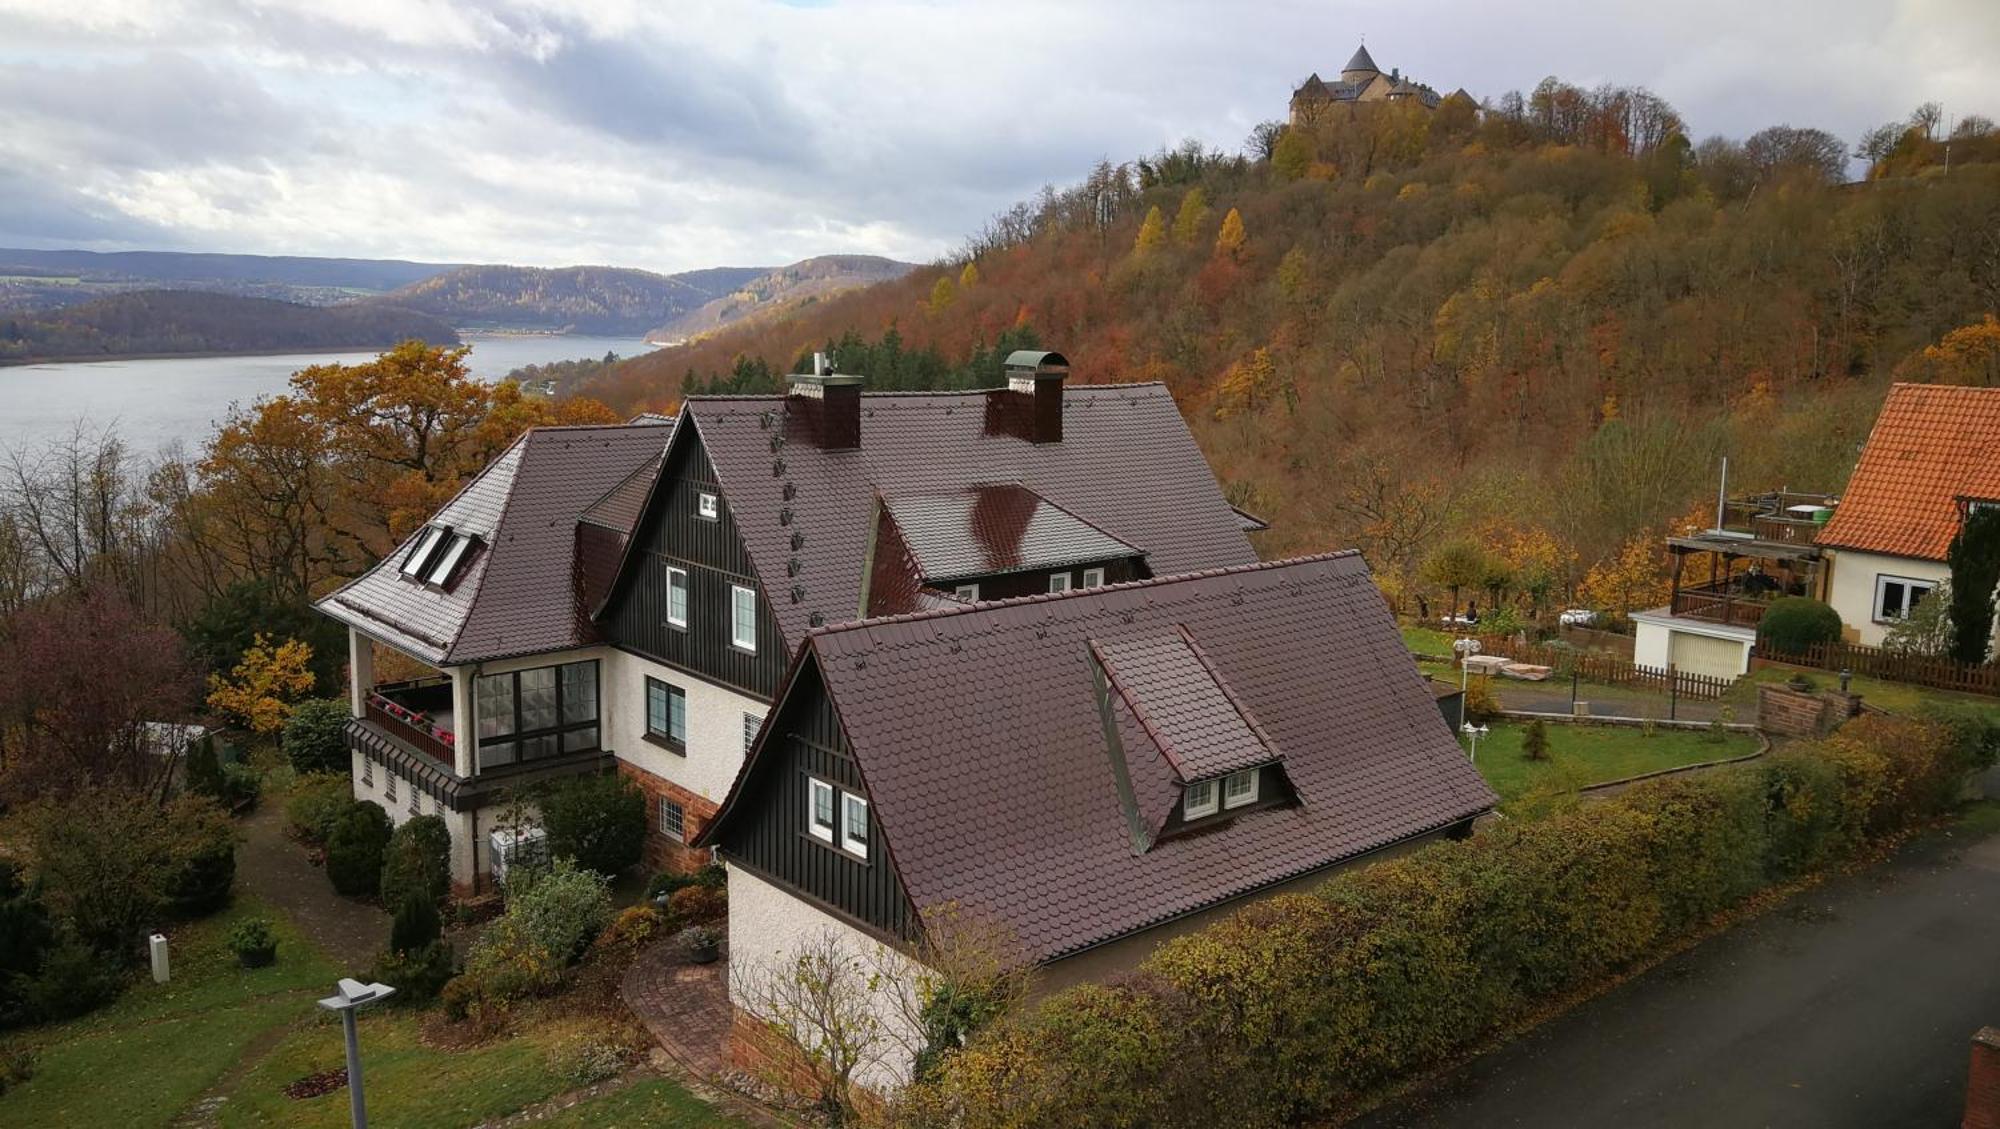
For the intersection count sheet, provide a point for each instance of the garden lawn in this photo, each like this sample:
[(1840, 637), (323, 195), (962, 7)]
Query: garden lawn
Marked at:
[(651, 1103), (1581, 755), (148, 1056)]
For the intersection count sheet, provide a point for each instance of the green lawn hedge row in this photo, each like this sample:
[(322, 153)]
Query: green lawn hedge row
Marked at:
[(1290, 1008)]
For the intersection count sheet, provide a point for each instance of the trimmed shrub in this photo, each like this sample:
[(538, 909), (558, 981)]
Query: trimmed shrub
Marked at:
[(564, 908), (1298, 1003), (316, 802), (1481, 706), (416, 923), (355, 847), (253, 943), (1793, 624), (417, 861), (600, 821), (73, 979), (419, 974), (507, 963), (633, 927), (698, 903), (202, 845), (315, 736)]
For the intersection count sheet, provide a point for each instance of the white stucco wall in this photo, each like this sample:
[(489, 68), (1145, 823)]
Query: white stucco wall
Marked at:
[(1661, 640), (373, 786), (767, 925), (714, 726), (1852, 589)]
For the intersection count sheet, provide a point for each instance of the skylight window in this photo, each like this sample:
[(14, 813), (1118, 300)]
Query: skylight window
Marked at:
[(413, 565), (449, 560)]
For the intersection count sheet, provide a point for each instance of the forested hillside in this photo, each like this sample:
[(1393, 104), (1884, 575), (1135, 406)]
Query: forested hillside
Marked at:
[(43, 280), (781, 292), (1542, 323), (188, 321), (606, 300)]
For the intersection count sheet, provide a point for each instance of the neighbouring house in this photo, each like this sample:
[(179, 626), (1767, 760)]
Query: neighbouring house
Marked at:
[(1088, 772), (1933, 454), (627, 598), (1761, 549)]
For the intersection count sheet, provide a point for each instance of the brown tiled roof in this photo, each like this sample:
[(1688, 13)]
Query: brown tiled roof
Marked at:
[(978, 734), (1932, 445), (995, 528), (520, 595), (1126, 465)]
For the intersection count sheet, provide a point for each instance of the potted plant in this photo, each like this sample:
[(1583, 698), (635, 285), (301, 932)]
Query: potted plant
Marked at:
[(704, 945), (253, 943)]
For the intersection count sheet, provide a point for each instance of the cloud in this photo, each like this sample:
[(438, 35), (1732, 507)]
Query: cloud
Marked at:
[(675, 136)]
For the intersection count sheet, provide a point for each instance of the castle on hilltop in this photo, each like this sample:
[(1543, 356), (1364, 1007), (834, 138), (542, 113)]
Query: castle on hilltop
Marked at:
[(1361, 81)]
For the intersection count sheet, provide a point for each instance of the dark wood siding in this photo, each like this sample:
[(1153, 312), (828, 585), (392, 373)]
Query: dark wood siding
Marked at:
[(676, 535), (1036, 583), (768, 831)]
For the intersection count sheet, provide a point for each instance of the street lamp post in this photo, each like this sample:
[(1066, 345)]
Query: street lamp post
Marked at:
[(349, 997), (1473, 733)]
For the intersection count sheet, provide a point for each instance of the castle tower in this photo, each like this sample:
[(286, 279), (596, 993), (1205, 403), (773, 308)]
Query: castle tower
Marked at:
[(1360, 68)]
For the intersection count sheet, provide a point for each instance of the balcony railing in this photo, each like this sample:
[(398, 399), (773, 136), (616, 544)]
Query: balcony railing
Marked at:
[(1724, 602), (414, 727)]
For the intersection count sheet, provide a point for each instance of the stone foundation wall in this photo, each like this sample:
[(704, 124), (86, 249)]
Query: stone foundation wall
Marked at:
[(1803, 713), (661, 851)]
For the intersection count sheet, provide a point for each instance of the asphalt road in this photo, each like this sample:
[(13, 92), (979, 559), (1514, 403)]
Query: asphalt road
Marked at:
[(1853, 1004)]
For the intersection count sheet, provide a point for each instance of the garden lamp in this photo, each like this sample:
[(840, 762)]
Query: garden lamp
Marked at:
[(1473, 733), (351, 996), (1464, 648)]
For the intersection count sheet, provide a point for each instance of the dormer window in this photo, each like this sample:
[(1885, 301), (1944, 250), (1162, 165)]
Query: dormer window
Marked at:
[(1093, 578), (1058, 582), (707, 506), (1239, 788), (421, 553), (1199, 800)]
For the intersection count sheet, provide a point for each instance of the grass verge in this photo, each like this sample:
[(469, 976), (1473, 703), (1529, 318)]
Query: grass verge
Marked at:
[(1581, 755)]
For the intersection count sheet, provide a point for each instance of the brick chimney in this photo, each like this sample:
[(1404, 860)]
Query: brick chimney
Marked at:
[(830, 405), (1982, 1086), (1038, 377)]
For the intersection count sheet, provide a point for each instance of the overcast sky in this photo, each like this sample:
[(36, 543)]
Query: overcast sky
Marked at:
[(676, 134)]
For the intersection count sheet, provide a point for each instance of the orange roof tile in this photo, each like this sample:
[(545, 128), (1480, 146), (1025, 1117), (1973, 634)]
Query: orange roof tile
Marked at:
[(1932, 445)]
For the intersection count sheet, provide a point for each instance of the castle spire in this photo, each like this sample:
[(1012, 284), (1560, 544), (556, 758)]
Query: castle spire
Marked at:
[(1360, 64)]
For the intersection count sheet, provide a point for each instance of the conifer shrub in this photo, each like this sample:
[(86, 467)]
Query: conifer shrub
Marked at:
[(417, 860), (1535, 741), (354, 849), (315, 736)]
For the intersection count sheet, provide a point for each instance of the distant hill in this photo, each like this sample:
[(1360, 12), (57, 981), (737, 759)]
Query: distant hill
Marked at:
[(603, 300), (43, 280), (782, 291), (148, 322)]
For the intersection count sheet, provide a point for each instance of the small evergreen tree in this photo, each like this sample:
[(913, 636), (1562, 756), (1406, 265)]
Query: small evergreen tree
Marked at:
[(355, 847), (1152, 232), (417, 861), (1974, 557), (1535, 742), (416, 923)]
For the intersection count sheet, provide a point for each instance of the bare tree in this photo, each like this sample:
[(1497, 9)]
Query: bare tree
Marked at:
[(965, 972), (821, 999), (1263, 140)]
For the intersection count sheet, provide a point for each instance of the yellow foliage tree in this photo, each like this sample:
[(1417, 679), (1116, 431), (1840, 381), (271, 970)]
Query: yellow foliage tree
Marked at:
[(942, 295), (1229, 241), (1292, 156), (1247, 386), (1192, 217), (969, 277), (1636, 577), (259, 693), (1967, 355), (1152, 232)]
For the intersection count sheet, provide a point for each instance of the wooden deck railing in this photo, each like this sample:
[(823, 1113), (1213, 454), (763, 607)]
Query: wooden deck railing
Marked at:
[(413, 728), (1720, 604)]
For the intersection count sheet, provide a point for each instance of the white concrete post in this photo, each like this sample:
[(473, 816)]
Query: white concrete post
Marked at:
[(464, 730), (360, 671)]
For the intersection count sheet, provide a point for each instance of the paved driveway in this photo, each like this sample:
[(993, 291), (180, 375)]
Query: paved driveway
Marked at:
[(1851, 1005)]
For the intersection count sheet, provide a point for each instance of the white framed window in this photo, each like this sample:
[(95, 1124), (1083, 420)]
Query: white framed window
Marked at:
[(1897, 596), (854, 824), (1093, 578), (819, 809), (677, 597), (666, 712), (967, 592), (1059, 582), (1239, 788), (707, 506), (673, 820), (743, 618), (1199, 800), (448, 561), (751, 724), (420, 555)]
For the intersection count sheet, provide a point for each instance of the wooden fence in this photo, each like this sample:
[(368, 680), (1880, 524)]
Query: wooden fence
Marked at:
[(1609, 669), (1894, 666)]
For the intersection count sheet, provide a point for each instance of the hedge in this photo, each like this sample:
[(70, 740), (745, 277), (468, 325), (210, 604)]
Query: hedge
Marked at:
[(1291, 1008)]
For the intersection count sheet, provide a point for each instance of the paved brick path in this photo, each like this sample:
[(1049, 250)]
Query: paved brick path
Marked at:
[(684, 1005)]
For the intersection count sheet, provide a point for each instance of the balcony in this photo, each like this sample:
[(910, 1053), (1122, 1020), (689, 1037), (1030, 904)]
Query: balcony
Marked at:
[(1781, 516), (1737, 602), (417, 713)]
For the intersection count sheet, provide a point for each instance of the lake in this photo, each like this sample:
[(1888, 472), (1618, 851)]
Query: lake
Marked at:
[(152, 403)]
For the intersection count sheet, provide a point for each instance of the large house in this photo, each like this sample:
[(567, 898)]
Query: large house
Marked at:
[(629, 596), (1086, 773), (1934, 455), (1362, 83)]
